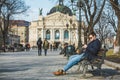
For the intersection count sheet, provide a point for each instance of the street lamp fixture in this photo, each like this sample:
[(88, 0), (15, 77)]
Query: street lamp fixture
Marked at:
[(70, 21), (67, 25), (43, 22), (71, 26), (80, 4)]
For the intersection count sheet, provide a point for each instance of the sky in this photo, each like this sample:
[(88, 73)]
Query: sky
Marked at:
[(33, 12)]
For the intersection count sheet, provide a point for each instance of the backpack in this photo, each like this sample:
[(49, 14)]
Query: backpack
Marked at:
[(39, 42), (46, 44)]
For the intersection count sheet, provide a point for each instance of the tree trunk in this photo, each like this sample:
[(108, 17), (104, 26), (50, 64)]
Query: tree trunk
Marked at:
[(4, 40), (85, 35), (90, 26), (118, 36)]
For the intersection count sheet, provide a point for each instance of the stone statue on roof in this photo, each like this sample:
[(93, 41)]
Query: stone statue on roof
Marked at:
[(40, 11), (61, 2)]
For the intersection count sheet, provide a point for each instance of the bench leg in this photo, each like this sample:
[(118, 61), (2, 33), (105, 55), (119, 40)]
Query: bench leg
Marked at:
[(85, 68), (79, 65), (92, 67)]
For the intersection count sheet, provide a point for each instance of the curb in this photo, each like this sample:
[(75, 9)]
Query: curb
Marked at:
[(112, 64)]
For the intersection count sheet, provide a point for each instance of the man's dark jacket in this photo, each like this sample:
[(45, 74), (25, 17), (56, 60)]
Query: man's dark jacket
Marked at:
[(93, 48)]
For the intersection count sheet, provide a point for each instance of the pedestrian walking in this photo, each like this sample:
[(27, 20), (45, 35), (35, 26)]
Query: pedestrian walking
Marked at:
[(45, 46), (51, 47), (39, 44)]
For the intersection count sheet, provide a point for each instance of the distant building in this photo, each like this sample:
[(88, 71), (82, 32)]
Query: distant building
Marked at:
[(20, 28), (13, 39)]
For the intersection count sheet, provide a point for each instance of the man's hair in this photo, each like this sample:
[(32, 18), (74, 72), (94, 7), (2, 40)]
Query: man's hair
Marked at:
[(93, 34)]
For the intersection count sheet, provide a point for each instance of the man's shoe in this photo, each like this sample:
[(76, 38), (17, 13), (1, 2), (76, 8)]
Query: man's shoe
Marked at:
[(59, 72)]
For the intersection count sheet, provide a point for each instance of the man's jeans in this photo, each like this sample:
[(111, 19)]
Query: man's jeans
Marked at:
[(45, 51), (73, 60), (39, 52)]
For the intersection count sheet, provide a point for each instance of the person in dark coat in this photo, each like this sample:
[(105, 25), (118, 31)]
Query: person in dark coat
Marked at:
[(39, 44), (91, 51)]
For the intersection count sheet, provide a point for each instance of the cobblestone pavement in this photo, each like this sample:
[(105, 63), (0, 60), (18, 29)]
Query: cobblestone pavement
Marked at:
[(29, 66)]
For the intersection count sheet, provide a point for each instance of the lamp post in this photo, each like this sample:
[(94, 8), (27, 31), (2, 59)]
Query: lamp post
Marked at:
[(43, 28), (79, 5), (71, 27), (85, 33)]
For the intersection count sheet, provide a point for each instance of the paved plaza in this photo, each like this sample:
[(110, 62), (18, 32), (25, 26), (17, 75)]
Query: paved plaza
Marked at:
[(30, 66)]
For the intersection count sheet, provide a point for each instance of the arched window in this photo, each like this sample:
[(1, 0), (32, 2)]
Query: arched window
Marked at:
[(48, 34), (66, 34), (57, 34)]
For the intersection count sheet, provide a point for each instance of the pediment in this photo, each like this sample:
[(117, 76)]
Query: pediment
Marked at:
[(57, 16), (58, 19)]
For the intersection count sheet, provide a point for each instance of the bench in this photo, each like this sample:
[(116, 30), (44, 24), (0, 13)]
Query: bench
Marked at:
[(96, 62)]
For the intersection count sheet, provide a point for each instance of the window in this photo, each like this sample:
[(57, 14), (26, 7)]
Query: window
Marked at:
[(66, 34), (48, 34), (57, 34)]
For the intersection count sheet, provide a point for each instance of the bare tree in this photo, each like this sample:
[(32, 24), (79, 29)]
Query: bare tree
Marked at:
[(93, 10), (8, 8), (103, 29), (116, 7), (112, 19), (1, 4)]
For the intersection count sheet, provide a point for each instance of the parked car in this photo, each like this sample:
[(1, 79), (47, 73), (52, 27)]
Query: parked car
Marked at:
[(10, 48), (3, 48), (19, 47)]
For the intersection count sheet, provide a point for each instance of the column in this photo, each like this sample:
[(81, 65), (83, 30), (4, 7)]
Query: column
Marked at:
[(69, 36), (42, 32), (51, 35), (62, 34)]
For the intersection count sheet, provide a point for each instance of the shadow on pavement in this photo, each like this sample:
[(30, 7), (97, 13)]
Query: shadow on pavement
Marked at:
[(13, 69), (105, 73), (95, 74)]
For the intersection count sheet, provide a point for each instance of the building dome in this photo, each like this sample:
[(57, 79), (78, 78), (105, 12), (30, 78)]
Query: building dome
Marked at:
[(62, 9)]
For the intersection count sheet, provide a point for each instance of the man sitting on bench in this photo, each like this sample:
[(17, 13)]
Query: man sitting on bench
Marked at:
[(91, 51)]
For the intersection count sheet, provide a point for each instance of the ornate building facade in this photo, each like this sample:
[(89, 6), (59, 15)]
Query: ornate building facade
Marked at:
[(59, 26)]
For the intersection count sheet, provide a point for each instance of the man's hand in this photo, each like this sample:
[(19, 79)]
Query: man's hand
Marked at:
[(85, 46), (78, 51)]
